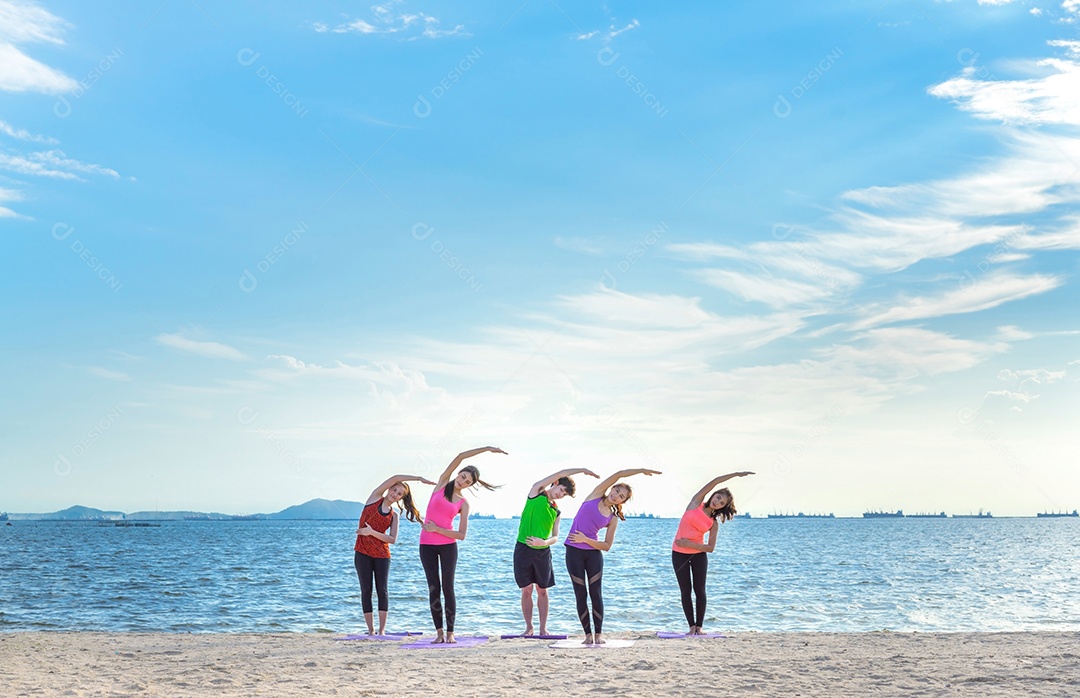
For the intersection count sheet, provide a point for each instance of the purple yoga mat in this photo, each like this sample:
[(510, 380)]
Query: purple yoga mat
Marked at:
[(428, 643), (679, 636), (533, 637), (396, 637)]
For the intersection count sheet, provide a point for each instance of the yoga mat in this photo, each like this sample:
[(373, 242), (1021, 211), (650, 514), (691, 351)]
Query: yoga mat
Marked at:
[(428, 643), (580, 645), (679, 636), (533, 637), (396, 637)]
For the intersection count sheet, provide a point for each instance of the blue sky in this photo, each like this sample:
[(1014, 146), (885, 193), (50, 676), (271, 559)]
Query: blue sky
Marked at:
[(261, 253)]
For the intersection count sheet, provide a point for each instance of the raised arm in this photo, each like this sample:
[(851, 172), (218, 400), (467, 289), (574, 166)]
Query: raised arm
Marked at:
[(449, 472), (600, 489), (380, 491), (698, 498), (462, 529), (541, 485)]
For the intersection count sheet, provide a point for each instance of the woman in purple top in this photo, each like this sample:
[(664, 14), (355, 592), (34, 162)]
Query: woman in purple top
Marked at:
[(584, 556)]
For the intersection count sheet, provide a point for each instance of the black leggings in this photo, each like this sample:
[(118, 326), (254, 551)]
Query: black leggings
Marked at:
[(691, 570), (436, 558), (368, 568), (586, 567)]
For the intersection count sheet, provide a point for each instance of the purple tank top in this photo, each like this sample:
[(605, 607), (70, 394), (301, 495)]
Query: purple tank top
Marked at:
[(589, 521)]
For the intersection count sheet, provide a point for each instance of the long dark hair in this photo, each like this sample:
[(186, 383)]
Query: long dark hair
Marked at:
[(616, 509), (448, 491), (407, 506), (726, 512)]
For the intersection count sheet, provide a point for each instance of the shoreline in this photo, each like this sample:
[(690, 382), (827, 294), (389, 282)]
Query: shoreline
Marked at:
[(757, 664)]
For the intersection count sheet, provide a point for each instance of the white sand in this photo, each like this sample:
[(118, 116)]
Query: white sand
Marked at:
[(747, 664)]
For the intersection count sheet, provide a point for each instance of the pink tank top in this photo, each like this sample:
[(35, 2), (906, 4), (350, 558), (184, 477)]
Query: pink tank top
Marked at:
[(693, 526), (441, 513)]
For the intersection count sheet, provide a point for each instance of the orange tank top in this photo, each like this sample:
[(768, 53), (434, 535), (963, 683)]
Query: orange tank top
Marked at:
[(693, 526)]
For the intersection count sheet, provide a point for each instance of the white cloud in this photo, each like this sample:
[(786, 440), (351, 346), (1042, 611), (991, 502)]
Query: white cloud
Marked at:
[(389, 19), (23, 135), (110, 375), (985, 292), (610, 33), (888, 244), (580, 245), (208, 349), (23, 23), (1050, 99), (53, 163), (1012, 333)]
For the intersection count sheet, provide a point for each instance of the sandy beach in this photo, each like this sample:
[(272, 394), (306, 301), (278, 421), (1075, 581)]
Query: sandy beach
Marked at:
[(755, 664)]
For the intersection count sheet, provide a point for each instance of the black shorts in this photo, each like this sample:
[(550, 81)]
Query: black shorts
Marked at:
[(533, 566)]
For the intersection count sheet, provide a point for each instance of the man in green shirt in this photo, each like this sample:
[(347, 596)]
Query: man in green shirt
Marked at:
[(538, 531)]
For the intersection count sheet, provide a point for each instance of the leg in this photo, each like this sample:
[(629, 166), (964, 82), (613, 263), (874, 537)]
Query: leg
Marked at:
[(364, 572), (527, 608), (575, 566), (542, 606), (429, 558), (524, 579), (681, 563), (594, 567), (448, 564), (382, 575), (699, 567)]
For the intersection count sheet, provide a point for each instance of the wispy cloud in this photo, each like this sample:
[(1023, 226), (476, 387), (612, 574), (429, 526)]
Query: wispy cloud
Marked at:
[(610, 33), (24, 135), (109, 375), (391, 18), (25, 23), (53, 163), (9, 195), (212, 350), (987, 293)]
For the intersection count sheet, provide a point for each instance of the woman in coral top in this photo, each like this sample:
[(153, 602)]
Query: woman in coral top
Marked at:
[(689, 552), (376, 532), (438, 539)]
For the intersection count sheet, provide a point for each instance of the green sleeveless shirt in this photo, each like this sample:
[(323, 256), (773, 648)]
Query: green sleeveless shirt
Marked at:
[(538, 518)]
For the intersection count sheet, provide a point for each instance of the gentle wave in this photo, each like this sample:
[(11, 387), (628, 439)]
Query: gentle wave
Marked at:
[(836, 575)]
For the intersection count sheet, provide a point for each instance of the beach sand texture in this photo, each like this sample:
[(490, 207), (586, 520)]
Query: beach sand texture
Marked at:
[(748, 664), (89, 663)]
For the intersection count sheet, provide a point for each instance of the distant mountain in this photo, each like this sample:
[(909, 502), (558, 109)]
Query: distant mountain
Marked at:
[(75, 513), (320, 509), (316, 509), (176, 516)]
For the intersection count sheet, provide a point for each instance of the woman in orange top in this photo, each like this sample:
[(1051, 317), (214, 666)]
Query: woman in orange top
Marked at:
[(689, 552), (376, 532)]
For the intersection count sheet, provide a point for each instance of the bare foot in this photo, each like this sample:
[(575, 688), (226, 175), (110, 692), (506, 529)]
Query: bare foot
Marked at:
[(543, 631), (529, 632), (588, 639), (439, 639), (450, 639), (599, 640)]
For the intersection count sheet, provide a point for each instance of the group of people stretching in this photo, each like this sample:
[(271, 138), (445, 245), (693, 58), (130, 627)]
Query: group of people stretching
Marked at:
[(537, 532)]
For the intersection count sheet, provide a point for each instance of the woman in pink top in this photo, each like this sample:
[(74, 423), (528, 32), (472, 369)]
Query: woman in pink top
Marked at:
[(438, 539), (689, 552)]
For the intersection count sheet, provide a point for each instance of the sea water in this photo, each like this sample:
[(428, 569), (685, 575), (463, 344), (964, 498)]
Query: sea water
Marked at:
[(835, 575)]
